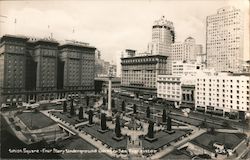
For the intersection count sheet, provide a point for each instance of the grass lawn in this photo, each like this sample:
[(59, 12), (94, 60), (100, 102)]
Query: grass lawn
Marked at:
[(66, 117), (163, 138), (177, 154), (35, 120), (106, 137), (79, 144), (230, 140)]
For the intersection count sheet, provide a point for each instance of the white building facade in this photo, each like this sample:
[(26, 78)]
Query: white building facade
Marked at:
[(223, 93), (186, 51), (224, 40), (177, 89), (162, 37), (183, 68)]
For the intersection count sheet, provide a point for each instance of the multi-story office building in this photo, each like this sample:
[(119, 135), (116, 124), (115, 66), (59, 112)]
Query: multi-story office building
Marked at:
[(224, 40), (223, 93), (40, 69), (186, 51), (139, 73)]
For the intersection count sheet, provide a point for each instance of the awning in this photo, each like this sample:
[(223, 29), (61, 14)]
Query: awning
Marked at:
[(200, 108), (218, 111)]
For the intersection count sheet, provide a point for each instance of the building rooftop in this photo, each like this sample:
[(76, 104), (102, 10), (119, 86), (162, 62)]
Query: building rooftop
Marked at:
[(145, 56)]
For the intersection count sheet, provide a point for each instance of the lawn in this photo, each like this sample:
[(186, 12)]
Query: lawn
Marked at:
[(35, 120), (163, 138), (79, 144), (67, 118), (230, 140), (177, 154), (105, 137)]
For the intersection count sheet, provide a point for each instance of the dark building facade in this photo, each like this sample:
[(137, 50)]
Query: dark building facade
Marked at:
[(35, 70)]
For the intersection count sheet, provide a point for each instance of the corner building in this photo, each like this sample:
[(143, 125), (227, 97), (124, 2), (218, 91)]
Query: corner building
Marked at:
[(223, 94)]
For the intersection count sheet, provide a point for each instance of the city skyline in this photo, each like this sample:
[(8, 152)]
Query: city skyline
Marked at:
[(111, 27)]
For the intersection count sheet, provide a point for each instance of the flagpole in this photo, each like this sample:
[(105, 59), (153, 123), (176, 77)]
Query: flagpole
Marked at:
[(15, 26)]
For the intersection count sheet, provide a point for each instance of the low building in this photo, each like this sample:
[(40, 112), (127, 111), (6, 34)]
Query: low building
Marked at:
[(178, 90), (102, 84), (185, 68), (139, 74), (223, 93), (169, 88)]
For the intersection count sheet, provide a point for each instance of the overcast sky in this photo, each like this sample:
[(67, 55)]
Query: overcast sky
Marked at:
[(109, 25)]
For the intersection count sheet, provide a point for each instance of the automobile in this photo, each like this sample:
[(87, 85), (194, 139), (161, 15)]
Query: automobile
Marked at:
[(58, 103), (147, 102)]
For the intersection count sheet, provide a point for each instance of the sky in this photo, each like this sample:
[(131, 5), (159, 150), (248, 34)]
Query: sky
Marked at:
[(112, 26)]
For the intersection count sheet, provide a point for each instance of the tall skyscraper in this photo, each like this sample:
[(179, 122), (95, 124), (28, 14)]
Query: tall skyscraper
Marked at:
[(224, 40), (163, 36)]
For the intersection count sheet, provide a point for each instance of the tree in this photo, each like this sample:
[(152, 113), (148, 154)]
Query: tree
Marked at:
[(87, 100), (123, 106), (72, 109), (150, 129), (104, 101), (112, 103), (118, 127), (225, 124), (164, 116), (90, 116), (103, 121), (64, 106), (212, 130), (80, 113), (135, 108), (169, 124), (148, 112)]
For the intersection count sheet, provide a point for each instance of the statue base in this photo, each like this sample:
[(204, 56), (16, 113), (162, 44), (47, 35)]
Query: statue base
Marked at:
[(118, 138), (151, 139), (90, 125), (164, 123), (169, 132), (102, 131)]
